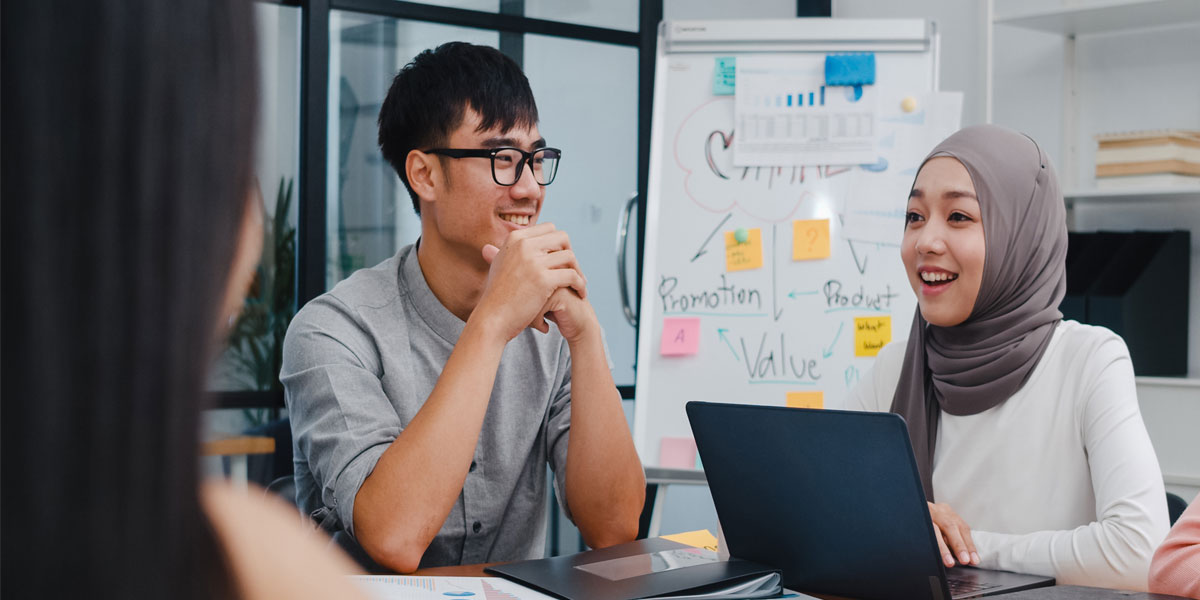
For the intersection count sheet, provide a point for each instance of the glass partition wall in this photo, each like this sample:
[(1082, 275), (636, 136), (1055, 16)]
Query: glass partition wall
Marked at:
[(584, 73), (245, 376), (369, 215), (246, 373)]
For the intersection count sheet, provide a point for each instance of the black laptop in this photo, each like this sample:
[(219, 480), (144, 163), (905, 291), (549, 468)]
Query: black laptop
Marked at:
[(834, 500)]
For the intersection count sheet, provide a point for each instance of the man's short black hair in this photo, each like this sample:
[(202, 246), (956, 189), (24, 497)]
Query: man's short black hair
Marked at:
[(429, 96)]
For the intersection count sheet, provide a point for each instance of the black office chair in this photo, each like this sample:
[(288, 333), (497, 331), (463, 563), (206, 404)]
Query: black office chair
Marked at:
[(1175, 507)]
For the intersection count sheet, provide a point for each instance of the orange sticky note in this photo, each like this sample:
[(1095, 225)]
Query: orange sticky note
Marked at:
[(810, 239), (740, 256), (806, 399), (677, 453), (871, 334), (680, 337), (701, 538)]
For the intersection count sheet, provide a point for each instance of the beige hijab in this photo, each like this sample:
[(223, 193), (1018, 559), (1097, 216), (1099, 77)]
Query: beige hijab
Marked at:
[(976, 365)]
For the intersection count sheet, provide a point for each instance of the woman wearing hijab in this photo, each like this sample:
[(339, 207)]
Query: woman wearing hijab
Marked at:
[(130, 234), (1026, 428)]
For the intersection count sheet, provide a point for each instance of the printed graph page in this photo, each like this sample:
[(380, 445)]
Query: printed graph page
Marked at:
[(785, 115), (403, 587)]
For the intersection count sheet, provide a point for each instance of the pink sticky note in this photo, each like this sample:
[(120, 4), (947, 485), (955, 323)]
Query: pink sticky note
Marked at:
[(680, 337), (677, 453)]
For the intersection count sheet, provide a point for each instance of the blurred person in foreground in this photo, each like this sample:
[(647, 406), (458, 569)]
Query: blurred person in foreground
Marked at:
[(130, 233)]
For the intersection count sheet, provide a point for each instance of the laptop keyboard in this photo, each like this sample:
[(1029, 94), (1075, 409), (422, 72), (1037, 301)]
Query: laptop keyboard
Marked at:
[(960, 587)]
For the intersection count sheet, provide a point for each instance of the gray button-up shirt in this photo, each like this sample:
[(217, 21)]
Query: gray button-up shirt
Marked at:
[(359, 362)]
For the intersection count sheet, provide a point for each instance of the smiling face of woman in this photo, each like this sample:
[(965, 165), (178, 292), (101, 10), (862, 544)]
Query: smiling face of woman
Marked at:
[(943, 247)]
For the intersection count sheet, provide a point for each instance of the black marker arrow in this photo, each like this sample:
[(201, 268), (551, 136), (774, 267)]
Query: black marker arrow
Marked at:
[(862, 265), (702, 251)]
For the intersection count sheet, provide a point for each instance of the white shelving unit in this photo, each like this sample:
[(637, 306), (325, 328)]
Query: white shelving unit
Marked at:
[(1106, 17), (1086, 19), (1183, 195), (1170, 405), (1076, 20)]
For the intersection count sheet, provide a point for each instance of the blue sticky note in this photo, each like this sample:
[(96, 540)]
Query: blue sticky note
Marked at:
[(725, 76), (850, 69)]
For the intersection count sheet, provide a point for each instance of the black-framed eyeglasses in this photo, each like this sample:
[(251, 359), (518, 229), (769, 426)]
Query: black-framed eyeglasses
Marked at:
[(509, 163)]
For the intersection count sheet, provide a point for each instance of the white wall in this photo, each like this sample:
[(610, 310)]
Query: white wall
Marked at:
[(958, 23), (278, 153), (1172, 415), (674, 10)]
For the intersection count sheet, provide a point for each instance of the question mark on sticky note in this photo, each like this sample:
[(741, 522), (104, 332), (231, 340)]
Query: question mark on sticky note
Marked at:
[(810, 239)]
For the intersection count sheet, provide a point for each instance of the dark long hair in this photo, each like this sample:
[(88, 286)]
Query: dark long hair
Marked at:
[(128, 132)]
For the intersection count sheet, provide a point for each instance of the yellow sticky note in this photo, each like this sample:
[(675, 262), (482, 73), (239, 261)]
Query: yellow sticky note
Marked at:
[(810, 239), (701, 538), (740, 256), (871, 334), (806, 399)]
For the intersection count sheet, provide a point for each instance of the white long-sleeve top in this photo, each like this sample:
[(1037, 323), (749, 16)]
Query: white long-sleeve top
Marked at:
[(1061, 478)]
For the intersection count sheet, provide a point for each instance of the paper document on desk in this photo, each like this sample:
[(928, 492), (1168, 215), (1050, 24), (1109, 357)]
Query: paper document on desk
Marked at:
[(404, 587)]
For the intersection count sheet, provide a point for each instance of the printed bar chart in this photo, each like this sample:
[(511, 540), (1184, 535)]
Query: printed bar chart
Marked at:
[(784, 116), (797, 100)]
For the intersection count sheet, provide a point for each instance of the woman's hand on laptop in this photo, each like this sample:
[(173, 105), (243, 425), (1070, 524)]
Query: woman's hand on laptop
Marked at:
[(953, 536)]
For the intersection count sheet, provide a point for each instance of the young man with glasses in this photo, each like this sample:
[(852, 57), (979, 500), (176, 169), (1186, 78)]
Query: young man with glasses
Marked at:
[(424, 405)]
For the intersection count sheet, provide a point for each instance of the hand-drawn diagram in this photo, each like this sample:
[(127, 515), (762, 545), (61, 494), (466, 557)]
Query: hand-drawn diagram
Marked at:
[(702, 148), (790, 274)]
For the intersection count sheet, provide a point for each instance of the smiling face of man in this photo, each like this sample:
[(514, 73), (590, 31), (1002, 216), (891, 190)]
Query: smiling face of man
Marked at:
[(468, 208)]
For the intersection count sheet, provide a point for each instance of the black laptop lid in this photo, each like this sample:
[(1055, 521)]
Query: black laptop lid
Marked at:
[(831, 497)]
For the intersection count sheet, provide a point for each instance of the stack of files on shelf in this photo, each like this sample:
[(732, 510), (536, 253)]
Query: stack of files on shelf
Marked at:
[(1166, 157)]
